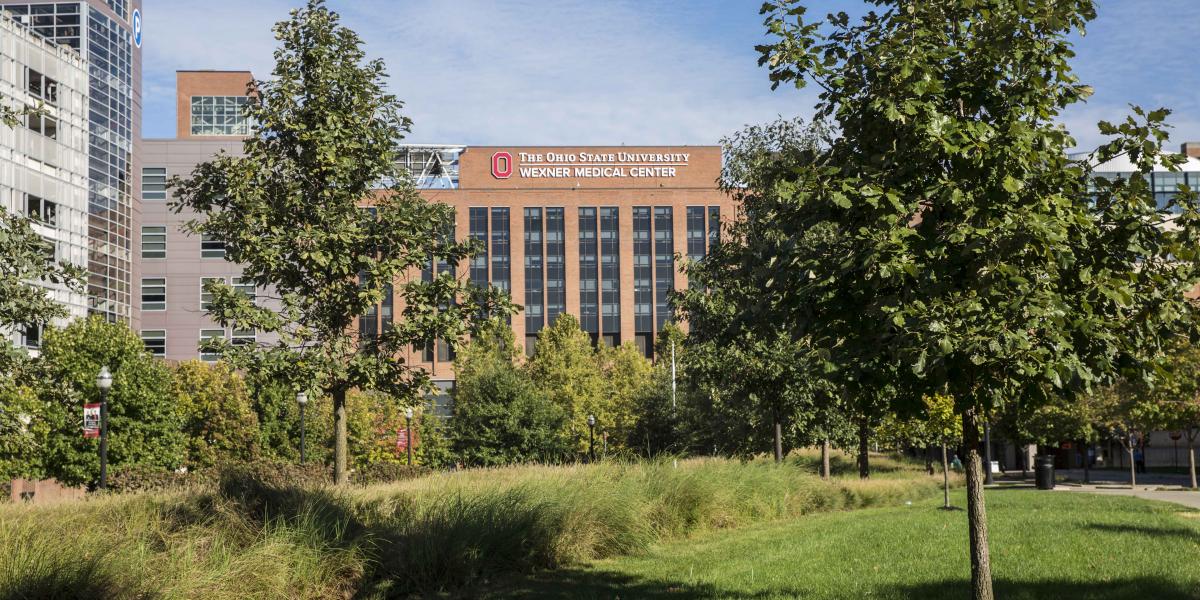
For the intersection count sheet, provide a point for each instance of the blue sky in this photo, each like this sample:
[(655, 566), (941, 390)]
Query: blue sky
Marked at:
[(559, 72)]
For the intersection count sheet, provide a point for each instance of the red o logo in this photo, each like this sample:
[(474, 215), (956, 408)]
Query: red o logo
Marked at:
[(502, 165)]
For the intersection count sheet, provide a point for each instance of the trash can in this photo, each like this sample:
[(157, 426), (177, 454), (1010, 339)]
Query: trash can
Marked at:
[(1044, 468)]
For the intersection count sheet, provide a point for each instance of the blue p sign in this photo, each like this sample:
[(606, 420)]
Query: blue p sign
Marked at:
[(137, 28)]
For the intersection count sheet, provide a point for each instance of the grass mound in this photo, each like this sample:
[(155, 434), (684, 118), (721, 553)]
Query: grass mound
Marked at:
[(256, 537)]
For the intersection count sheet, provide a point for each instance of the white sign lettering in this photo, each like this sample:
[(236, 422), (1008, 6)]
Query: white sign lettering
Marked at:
[(557, 165)]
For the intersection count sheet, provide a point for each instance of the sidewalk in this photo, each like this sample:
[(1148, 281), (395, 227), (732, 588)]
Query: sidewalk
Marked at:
[(1116, 483), (1148, 492)]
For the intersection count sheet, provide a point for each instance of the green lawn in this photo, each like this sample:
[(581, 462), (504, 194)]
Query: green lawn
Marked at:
[(1044, 545)]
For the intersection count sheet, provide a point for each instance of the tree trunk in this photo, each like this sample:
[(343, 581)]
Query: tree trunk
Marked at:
[(778, 440), (864, 457), (825, 459), (1024, 462), (945, 479), (340, 475), (1192, 462), (981, 568), (1132, 469), (929, 460)]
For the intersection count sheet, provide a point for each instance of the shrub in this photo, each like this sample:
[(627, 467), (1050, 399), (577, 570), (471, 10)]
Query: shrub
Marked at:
[(150, 478), (387, 472)]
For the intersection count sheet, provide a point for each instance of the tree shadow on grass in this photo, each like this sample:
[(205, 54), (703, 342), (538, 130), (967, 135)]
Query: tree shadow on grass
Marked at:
[(1158, 532), (582, 584), (1139, 588)]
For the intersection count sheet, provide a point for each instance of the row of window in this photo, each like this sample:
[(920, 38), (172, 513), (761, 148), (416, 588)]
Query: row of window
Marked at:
[(154, 243), (155, 341), (154, 292)]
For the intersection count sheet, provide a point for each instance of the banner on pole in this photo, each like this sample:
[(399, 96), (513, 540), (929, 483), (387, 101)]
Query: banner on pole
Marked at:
[(401, 439), (91, 420)]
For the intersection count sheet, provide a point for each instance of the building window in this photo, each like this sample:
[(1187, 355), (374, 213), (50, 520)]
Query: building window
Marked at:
[(41, 209), (220, 115), (246, 288), (41, 87), (31, 336), (643, 273), (556, 275), (154, 183), (664, 264), (210, 334), (43, 124), (1166, 186), (697, 239), (589, 273), (535, 316), (155, 341), (154, 241), (206, 297), (244, 337), (501, 261), (154, 293), (610, 274), (478, 232), (445, 351), (211, 247), (714, 227)]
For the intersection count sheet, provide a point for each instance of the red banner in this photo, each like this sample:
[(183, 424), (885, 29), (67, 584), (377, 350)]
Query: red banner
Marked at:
[(91, 420), (401, 440)]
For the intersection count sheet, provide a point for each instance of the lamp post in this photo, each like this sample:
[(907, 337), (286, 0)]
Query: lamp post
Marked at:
[(302, 399), (408, 415), (591, 421), (104, 383)]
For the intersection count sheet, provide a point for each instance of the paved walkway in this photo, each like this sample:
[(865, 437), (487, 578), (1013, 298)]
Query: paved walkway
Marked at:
[(1116, 482), (1149, 492)]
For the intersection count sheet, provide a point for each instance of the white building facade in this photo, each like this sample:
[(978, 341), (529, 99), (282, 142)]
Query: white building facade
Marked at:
[(44, 159)]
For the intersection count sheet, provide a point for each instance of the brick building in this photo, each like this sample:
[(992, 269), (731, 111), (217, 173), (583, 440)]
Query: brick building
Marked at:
[(590, 231)]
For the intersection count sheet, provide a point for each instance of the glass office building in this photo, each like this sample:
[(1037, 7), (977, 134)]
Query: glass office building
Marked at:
[(101, 31)]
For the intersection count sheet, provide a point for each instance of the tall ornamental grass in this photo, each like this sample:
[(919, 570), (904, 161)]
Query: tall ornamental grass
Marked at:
[(252, 537)]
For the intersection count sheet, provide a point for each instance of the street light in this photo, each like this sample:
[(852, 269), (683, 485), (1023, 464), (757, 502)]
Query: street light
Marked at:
[(408, 414), (591, 421), (301, 399), (104, 383)]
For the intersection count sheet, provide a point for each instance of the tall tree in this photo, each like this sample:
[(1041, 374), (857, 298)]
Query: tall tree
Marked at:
[(219, 423), (565, 368), (324, 141), (1180, 397), (144, 426), (966, 252), (500, 416)]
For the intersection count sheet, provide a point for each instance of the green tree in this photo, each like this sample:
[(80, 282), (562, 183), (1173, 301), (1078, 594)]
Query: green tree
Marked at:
[(23, 260), (324, 141), (965, 251), (500, 417), (144, 425), (627, 376), (565, 369), (1179, 394), (219, 422), (24, 430)]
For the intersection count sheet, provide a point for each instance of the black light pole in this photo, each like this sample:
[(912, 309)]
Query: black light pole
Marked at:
[(987, 452), (408, 415), (591, 421), (302, 399), (104, 383)]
